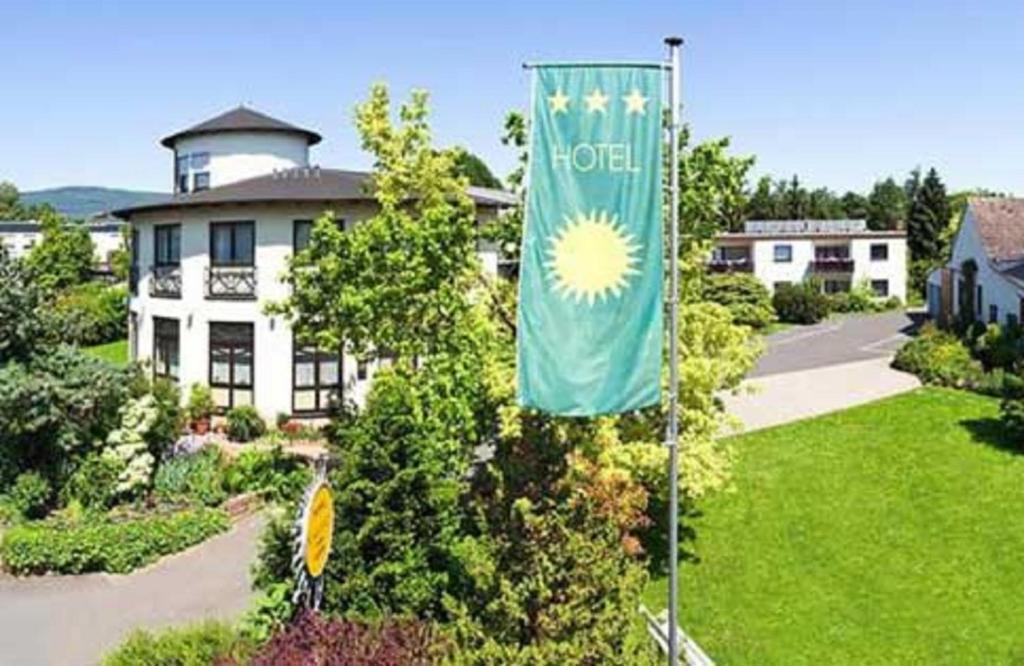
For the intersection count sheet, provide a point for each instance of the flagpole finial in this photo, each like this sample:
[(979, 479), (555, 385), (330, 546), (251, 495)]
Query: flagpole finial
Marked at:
[(674, 41)]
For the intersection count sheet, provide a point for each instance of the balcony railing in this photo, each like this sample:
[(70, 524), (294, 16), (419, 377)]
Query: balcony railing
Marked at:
[(231, 283), (744, 265), (165, 282), (832, 265)]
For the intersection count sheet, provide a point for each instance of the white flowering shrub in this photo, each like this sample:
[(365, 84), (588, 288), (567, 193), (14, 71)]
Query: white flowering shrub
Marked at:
[(127, 444)]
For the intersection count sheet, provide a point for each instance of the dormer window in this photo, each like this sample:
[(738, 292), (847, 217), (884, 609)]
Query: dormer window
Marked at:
[(194, 169)]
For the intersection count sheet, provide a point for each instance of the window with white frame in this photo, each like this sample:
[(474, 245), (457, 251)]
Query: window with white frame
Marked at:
[(783, 254)]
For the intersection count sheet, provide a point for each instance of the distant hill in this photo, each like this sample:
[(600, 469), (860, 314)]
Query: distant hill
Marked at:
[(81, 201)]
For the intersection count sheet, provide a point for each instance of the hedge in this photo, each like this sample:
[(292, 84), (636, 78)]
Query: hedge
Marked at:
[(105, 543)]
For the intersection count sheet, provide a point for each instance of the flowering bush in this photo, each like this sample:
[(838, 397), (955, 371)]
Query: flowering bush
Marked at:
[(128, 444)]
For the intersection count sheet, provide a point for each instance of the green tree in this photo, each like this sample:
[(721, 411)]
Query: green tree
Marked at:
[(9, 207), (475, 170), (855, 206), (887, 206), (762, 203), (397, 280), (63, 257), (27, 321), (928, 219)]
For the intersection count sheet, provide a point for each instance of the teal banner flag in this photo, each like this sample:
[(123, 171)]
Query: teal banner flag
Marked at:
[(590, 287)]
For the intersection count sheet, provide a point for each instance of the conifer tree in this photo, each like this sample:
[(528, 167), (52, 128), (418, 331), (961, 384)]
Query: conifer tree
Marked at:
[(929, 216)]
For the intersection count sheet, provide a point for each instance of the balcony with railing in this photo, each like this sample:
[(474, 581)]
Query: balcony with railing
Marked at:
[(832, 265), (832, 259), (231, 283), (737, 265), (165, 282), (731, 259)]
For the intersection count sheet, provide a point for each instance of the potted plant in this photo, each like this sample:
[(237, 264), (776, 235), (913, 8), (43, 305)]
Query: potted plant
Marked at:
[(200, 408)]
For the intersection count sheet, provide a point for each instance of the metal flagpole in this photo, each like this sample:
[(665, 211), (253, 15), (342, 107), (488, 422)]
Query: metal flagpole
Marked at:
[(672, 436)]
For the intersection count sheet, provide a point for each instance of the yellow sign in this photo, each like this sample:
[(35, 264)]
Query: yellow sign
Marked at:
[(318, 529)]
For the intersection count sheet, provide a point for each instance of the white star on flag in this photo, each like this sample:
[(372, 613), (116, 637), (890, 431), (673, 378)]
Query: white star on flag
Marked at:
[(635, 102), (559, 102), (596, 101)]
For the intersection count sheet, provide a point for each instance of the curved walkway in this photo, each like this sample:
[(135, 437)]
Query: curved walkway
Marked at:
[(71, 620)]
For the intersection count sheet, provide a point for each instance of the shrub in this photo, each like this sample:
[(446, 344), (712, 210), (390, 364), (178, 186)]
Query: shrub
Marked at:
[(938, 358), (195, 477), (743, 294), (998, 346), (245, 424), (105, 543), (314, 639), (279, 477), (92, 313), (200, 645), (54, 409), (129, 448), (800, 303), (1012, 405), (94, 483), (30, 495), (200, 403), (167, 427), (860, 298)]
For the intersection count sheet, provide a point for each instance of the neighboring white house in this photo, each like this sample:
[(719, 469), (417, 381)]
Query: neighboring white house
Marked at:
[(20, 236), (984, 279), (206, 260), (841, 253)]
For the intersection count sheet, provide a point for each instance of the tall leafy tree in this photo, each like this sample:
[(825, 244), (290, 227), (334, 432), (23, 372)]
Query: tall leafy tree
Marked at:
[(887, 206), (64, 256), (475, 170), (762, 203), (27, 320), (928, 219), (855, 206)]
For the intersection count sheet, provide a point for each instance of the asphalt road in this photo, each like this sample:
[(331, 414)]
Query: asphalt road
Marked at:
[(72, 620), (843, 339)]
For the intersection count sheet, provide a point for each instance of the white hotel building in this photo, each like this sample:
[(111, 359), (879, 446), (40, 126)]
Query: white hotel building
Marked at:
[(207, 259), (839, 253)]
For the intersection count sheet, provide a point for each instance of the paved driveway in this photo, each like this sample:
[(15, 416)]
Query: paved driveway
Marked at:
[(840, 340), (811, 370), (71, 620)]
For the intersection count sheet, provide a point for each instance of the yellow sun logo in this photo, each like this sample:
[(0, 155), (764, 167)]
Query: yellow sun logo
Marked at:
[(591, 257)]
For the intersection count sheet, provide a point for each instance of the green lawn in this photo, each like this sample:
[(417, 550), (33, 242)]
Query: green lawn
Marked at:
[(115, 352), (891, 533)]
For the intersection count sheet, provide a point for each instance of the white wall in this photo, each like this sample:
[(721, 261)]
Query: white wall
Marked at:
[(996, 289), (770, 272), (893, 269), (19, 243), (236, 156), (272, 336)]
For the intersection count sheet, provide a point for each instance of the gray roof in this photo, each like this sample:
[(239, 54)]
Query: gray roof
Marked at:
[(302, 184), (19, 226), (1000, 223), (241, 119), (30, 226)]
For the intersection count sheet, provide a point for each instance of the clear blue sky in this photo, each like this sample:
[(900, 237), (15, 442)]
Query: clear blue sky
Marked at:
[(841, 93)]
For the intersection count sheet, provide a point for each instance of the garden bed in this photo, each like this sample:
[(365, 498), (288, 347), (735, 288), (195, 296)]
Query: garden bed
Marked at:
[(111, 543)]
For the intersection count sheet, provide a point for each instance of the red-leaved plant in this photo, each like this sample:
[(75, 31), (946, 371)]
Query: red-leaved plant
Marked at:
[(313, 640)]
